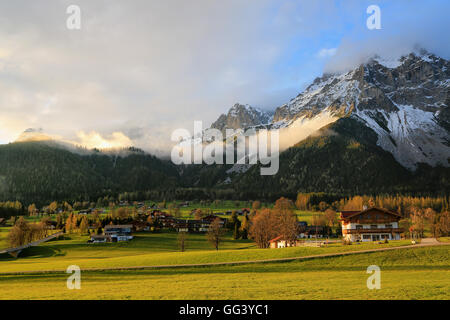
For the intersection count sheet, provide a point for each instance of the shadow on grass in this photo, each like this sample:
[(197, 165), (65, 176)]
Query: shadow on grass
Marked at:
[(34, 253), (111, 275)]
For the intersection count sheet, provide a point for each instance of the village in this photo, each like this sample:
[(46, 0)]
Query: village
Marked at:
[(280, 225)]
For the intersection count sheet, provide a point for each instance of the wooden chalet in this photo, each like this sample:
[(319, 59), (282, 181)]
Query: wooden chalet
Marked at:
[(372, 224)]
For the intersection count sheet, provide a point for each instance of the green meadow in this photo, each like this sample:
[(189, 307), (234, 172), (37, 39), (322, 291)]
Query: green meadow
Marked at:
[(419, 273), (148, 249), (4, 237)]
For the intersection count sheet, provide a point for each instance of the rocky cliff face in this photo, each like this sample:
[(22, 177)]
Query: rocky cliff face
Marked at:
[(405, 101), (241, 116)]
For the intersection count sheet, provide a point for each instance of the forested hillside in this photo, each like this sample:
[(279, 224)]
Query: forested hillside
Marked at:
[(343, 158), (39, 172)]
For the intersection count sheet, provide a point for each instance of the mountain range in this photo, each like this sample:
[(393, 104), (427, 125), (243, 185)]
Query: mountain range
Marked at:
[(382, 127)]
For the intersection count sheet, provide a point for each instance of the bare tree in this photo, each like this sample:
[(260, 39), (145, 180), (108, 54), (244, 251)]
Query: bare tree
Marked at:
[(182, 241), (215, 233)]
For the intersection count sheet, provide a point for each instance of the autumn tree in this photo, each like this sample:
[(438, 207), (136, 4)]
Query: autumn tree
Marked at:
[(261, 228), (330, 218), (84, 225), (245, 226), (32, 209), (256, 205), (215, 233), (418, 222), (323, 205), (268, 224), (19, 233), (444, 223), (432, 220), (198, 215)]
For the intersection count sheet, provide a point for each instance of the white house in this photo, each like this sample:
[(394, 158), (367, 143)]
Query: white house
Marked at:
[(372, 224)]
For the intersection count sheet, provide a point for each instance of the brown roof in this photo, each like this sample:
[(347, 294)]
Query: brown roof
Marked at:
[(346, 214), (276, 239), (351, 214)]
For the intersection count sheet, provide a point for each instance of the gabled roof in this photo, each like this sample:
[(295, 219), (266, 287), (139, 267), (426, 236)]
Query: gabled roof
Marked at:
[(351, 214), (276, 239), (119, 226)]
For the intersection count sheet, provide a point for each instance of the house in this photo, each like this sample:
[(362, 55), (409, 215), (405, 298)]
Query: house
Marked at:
[(197, 225), (371, 224), (51, 225), (140, 226), (102, 238), (305, 231), (281, 242), (119, 232), (210, 218)]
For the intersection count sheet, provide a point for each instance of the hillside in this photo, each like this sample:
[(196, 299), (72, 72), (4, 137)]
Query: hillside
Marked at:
[(343, 158), (43, 172)]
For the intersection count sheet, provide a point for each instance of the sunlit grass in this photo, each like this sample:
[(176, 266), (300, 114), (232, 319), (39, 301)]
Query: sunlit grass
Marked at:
[(420, 273), (149, 249)]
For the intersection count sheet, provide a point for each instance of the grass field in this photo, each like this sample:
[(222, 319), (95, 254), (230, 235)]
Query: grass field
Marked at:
[(155, 249), (419, 273), (3, 237)]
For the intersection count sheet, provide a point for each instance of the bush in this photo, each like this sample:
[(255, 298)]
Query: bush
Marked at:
[(346, 242)]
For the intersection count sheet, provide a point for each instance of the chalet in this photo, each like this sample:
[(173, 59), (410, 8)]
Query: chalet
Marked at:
[(372, 224), (193, 226), (212, 217), (197, 225), (305, 231), (119, 232)]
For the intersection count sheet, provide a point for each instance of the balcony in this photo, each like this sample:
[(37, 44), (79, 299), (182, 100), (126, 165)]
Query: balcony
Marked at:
[(372, 230)]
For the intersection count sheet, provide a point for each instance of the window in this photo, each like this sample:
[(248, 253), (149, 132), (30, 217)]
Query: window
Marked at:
[(389, 226), (373, 226), (366, 237), (359, 227)]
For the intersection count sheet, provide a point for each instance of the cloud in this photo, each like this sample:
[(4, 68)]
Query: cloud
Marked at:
[(406, 26), (146, 68), (93, 140), (325, 53)]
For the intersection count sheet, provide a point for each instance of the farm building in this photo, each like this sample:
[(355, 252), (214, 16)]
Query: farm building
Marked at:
[(281, 242)]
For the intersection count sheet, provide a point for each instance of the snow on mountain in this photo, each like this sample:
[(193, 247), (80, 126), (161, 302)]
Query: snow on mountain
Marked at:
[(405, 100), (242, 116), (410, 134)]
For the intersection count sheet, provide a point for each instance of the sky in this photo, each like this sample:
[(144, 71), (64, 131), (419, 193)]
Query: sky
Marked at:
[(137, 70)]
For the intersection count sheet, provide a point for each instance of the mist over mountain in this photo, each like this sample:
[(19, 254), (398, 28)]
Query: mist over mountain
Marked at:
[(405, 101), (382, 127)]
